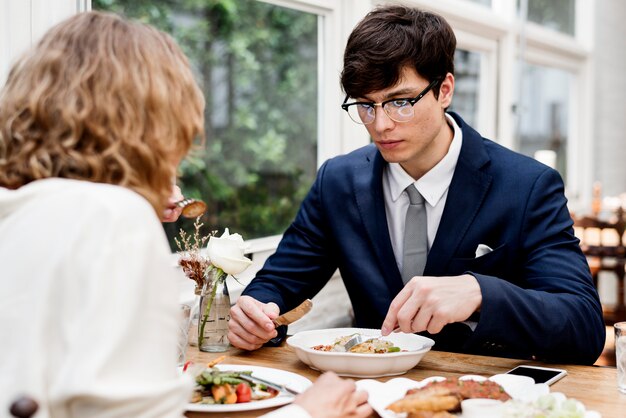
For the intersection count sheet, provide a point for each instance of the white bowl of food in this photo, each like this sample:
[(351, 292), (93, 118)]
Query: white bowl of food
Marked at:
[(396, 353)]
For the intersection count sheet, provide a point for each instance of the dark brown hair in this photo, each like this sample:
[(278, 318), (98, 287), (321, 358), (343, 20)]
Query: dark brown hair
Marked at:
[(390, 38)]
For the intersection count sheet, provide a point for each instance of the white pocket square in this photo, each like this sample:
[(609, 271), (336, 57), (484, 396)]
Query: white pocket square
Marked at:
[(482, 249)]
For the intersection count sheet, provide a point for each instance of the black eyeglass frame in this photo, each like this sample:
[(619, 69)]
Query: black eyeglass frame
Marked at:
[(412, 100)]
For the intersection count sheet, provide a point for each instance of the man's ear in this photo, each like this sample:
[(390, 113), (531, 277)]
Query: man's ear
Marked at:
[(446, 91)]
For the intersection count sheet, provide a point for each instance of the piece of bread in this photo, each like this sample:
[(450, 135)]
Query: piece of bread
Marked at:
[(430, 399)]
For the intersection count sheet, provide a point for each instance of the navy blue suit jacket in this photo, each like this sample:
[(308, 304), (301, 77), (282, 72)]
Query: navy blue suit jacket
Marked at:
[(538, 297)]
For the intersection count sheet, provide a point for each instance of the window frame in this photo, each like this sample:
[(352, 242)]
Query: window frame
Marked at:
[(499, 33), (492, 31), (488, 83)]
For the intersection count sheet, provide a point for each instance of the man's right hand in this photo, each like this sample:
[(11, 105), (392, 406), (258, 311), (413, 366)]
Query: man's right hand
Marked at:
[(250, 324)]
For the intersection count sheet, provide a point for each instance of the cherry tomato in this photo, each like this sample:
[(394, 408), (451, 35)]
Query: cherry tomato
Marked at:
[(244, 393)]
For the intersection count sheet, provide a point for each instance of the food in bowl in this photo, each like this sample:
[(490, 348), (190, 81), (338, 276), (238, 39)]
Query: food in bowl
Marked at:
[(413, 347), (445, 397), (369, 346)]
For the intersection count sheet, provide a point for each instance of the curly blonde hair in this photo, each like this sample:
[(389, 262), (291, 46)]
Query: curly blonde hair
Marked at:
[(101, 99)]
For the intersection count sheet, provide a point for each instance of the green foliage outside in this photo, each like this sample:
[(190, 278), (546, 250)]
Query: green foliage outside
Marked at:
[(257, 64)]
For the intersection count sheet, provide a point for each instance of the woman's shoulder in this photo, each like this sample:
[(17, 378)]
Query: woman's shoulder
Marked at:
[(87, 195), (78, 202)]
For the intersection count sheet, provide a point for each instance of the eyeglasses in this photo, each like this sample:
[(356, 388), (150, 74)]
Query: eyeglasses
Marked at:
[(398, 110)]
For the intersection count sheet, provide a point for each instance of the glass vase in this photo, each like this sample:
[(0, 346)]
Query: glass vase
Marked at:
[(195, 314), (214, 314)]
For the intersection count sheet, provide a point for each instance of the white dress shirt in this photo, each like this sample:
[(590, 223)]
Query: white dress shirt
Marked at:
[(433, 186)]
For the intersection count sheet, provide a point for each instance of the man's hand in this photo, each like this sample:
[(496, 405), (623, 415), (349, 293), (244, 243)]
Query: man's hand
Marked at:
[(250, 324), (172, 212), (429, 303)]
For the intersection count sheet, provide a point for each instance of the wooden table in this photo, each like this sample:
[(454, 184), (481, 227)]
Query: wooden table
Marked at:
[(595, 386)]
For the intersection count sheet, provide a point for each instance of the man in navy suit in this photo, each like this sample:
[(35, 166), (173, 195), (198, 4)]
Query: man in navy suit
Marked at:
[(504, 274)]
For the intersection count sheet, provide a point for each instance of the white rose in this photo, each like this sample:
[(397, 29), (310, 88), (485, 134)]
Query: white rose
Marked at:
[(227, 253)]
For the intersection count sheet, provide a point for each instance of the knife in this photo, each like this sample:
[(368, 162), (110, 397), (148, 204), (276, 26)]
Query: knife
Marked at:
[(294, 314), (275, 386)]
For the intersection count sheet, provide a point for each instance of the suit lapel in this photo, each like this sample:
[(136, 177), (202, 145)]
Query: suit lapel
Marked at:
[(467, 191), (367, 180)]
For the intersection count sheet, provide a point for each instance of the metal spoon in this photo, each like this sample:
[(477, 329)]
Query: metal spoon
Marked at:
[(192, 208)]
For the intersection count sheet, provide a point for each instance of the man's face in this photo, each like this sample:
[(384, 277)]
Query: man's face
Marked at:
[(419, 144)]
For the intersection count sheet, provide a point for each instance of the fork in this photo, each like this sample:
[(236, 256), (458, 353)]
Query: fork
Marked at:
[(354, 341), (277, 386), (359, 339)]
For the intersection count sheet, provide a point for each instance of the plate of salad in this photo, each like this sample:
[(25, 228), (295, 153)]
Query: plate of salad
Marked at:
[(224, 387)]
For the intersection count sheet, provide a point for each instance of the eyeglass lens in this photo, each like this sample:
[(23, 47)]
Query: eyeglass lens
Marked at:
[(399, 110)]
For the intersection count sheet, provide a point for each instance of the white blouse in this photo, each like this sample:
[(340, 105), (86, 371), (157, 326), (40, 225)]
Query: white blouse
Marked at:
[(89, 304)]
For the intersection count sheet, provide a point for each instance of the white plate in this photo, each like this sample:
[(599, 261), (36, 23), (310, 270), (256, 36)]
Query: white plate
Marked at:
[(383, 394), (281, 377), (357, 364)]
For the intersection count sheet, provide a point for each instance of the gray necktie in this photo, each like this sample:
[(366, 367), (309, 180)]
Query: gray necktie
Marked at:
[(415, 244)]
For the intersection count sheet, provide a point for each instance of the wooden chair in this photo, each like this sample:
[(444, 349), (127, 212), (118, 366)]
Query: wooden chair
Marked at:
[(603, 243)]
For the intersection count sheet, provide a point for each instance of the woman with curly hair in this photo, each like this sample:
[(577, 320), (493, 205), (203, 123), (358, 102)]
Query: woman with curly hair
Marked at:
[(94, 121)]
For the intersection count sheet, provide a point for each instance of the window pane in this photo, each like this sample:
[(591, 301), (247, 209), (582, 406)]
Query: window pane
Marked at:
[(257, 63), (544, 118), (559, 15), (484, 2), (467, 83)]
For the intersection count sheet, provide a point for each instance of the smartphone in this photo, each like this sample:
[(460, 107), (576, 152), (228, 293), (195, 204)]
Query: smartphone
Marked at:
[(539, 374)]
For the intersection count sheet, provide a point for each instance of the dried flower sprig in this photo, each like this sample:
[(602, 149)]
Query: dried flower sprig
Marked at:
[(192, 261)]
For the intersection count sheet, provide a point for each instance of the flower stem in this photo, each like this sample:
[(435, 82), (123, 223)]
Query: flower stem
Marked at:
[(220, 277)]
